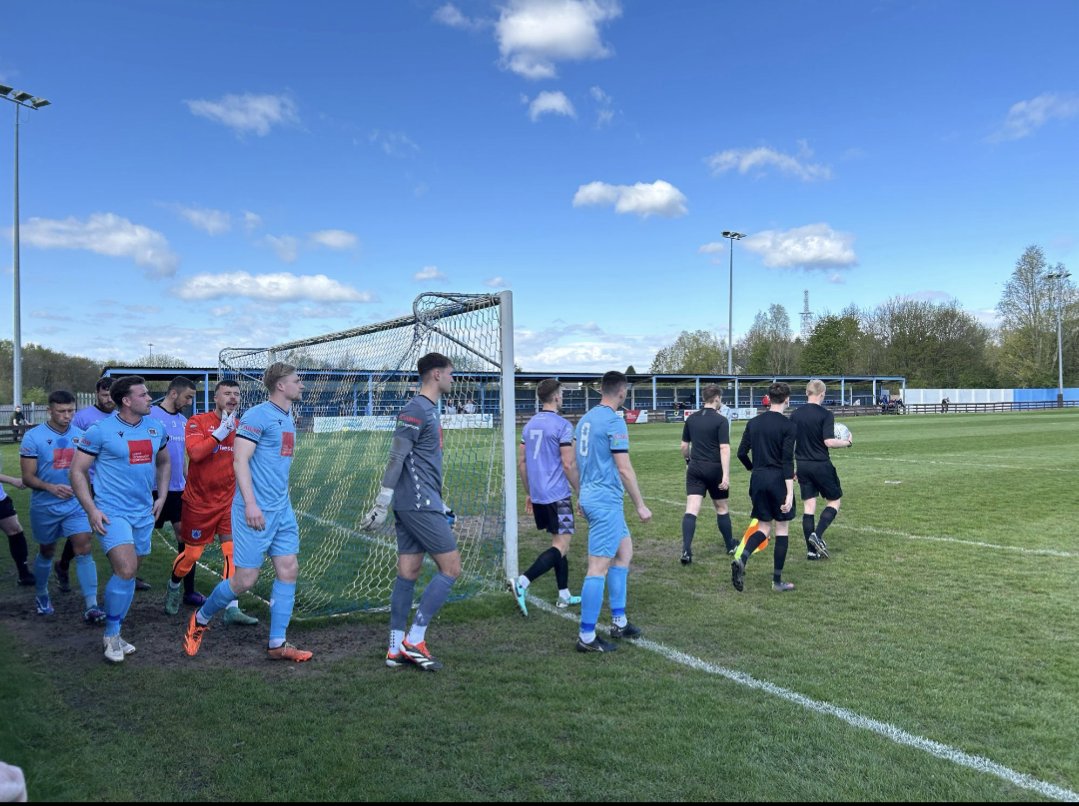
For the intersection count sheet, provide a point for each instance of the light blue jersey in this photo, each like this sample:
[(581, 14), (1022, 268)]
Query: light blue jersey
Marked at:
[(175, 426), (54, 452), (84, 418), (600, 434), (273, 431), (543, 438), (126, 464)]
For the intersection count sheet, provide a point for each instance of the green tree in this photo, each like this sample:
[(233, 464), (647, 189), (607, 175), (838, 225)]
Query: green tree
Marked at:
[(769, 347), (1028, 322), (692, 353), (833, 346)]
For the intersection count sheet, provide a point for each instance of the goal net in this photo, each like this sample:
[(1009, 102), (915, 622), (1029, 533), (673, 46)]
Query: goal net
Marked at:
[(355, 383)]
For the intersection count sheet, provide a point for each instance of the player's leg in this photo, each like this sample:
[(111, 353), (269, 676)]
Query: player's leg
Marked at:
[(233, 613), (720, 500), (809, 487), (561, 571), (689, 522), (547, 520), (432, 531), (284, 552), (832, 492), (409, 563), (63, 567), (617, 589), (46, 529), (606, 528), (780, 556), (16, 541), (119, 546), (80, 539), (185, 560), (761, 495)]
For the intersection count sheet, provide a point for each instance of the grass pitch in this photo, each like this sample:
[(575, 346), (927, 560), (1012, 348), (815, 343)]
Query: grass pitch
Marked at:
[(947, 611)]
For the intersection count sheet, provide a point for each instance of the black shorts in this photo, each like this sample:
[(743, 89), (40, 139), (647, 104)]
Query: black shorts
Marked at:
[(556, 517), (705, 477), (7, 509), (173, 510), (819, 478), (767, 491)]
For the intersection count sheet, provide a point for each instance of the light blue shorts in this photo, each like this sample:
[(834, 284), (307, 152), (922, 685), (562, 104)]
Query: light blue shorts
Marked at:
[(606, 528), (281, 537), (121, 531), (50, 525)]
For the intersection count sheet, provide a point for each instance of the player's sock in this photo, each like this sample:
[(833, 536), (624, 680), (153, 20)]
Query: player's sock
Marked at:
[(561, 573), (780, 557), (395, 640), (19, 553), (523, 582), (401, 603), (42, 569), (808, 528), (434, 596), (67, 556), (86, 571), (189, 577), (591, 602), (616, 592), (282, 599), (227, 569), (826, 519), (755, 540), (544, 563), (689, 526), (217, 601), (724, 523), (118, 595), (564, 594)]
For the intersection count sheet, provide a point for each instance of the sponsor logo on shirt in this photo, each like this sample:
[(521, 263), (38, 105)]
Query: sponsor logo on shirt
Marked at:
[(409, 422), (140, 451), (152, 431), (61, 458), (288, 443)]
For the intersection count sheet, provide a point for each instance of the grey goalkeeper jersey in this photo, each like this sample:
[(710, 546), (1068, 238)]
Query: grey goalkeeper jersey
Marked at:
[(420, 484)]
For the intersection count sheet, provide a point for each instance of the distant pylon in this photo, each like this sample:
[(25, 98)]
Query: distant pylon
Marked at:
[(807, 316)]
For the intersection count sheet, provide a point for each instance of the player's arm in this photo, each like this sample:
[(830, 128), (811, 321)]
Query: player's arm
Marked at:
[(522, 472), (828, 433), (80, 483), (743, 449), (28, 465), (569, 467), (14, 481), (789, 436), (629, 481), (684, 447), (404, 438), (164, 471), (242, 451), (725, 452)]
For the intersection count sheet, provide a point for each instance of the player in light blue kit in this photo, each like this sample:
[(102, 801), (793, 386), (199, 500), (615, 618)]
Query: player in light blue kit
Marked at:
[(46, 455), (548, 470), (128, 451), (263, 522), (606, 475)]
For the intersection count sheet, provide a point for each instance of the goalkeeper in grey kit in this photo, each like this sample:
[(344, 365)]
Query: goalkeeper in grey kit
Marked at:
[(413, 483)]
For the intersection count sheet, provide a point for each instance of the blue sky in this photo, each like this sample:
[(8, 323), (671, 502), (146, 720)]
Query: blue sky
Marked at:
[(229, 174)]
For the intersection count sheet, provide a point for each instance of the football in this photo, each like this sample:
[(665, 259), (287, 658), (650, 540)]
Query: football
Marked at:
[(841, 431)]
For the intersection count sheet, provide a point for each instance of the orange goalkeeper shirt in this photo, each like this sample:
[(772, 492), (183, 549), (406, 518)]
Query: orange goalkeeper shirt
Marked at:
[(211, 481)]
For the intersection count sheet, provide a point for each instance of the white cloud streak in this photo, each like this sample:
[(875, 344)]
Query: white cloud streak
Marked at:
[(252, 221), (816, 247), (533, 35), (105, 234), (275, 287), (551, 103), (213, 222), (335, 239), (1026, 117), (286, 247), (658, 198), (428, 273), (248, 113), (496, 282), (761, 159), (451, 16)]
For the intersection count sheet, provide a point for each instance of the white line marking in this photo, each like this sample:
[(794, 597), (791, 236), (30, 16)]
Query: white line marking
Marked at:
[(931, 538), (888, 731)]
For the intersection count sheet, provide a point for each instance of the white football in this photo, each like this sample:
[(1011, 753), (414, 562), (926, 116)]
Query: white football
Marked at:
[(841, 431)]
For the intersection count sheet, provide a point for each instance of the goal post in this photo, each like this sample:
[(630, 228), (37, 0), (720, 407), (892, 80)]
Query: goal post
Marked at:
[(355, 383)]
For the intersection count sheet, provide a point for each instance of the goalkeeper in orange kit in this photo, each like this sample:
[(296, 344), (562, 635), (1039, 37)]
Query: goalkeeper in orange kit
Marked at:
[(211, 486)]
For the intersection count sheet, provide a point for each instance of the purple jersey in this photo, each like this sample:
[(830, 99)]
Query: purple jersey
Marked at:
[(176, 428), (84, 418), (543, 438)]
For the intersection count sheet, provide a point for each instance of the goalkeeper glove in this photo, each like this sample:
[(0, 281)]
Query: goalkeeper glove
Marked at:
[(228, 425), (451, 518), (377, 515)]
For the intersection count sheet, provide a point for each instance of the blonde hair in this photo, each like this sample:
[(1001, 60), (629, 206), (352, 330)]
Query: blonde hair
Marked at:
[(816, 387), (274, 373)]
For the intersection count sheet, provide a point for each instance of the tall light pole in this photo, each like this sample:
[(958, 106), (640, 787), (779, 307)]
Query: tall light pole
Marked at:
[(151, 354), (732, 236), (24, 99), (1060, 277)]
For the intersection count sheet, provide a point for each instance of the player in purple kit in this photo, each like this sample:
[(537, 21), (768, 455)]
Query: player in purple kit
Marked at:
[(45, 455), (178, 397), (548, 469), (128, 449)]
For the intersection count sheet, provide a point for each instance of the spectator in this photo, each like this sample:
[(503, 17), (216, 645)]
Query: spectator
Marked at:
[(18, 422)]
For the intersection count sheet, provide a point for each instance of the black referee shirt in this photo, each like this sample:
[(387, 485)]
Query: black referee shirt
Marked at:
[(770, 436), (706, 430), (815, 424)]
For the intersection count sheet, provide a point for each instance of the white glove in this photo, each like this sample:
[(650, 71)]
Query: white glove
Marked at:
[(377, 515), (228, 425)]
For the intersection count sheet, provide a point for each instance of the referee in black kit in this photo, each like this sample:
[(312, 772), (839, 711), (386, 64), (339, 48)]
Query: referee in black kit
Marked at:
[(706, 447)]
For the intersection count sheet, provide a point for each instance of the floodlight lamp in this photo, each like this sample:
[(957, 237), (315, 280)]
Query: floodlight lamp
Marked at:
[(37, 103), (5, 89), (22, 97)]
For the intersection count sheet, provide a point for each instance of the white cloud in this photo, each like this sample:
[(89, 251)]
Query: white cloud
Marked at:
[(659, 198), (248, 113), (428, 273), (758, 160), (496, 282), (394, 144), (551, 103), (452, 16), (535, 34), (286, 247), (277, 287), (583, 347), (252, 221), (712, 248), (335, 239), (214, 222), (1026, 117), (605, 113), (814, 247), (105, 234)]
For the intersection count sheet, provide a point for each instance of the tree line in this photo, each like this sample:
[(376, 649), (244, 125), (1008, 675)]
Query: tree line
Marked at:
[(932, 344)]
